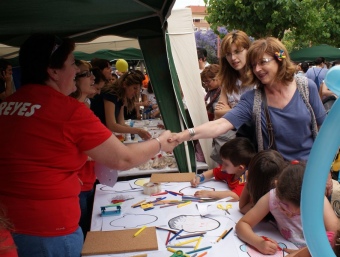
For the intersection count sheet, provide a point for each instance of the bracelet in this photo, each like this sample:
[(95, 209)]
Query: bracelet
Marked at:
[(192, 132), (159, 142)]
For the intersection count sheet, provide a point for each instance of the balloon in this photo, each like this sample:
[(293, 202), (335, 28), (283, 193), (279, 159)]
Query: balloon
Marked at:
[(122, 65), (313, 187), (332, 79), (105, 175)]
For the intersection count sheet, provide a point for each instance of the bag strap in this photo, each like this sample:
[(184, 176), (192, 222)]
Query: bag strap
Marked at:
[(270, 129), (302, 86), (257, 118)]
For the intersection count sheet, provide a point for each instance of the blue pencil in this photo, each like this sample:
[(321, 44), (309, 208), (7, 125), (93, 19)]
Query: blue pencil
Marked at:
[(176, 235), (198, 250)]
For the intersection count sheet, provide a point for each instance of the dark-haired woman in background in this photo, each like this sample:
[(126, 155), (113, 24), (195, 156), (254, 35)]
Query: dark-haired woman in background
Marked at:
[(109, 107)]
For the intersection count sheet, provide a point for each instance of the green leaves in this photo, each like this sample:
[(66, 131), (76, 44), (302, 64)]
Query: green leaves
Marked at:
[(307, 21)]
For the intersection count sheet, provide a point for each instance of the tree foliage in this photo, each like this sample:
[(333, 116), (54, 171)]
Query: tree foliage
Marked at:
[(208, 40), (308, 22)]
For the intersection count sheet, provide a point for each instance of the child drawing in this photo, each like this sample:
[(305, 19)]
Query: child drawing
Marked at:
[(284, 204)]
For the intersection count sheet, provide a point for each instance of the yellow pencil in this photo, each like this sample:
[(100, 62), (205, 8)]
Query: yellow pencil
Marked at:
[(139, 231), (171, 249), (220, 237), (187, 242), (137, 204), (198, 243), (183, 204)]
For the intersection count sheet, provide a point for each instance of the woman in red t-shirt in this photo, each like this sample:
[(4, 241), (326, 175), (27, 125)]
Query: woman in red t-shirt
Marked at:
[(46, 137)]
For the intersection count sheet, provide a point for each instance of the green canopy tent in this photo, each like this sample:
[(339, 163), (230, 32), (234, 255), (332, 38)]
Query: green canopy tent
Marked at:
[(145, 20), (105, 47), (309, 54)]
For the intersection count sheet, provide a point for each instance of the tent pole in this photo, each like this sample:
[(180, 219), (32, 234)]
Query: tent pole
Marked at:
[(185, 144)]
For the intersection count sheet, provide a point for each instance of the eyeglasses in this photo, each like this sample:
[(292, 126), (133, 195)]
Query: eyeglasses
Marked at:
[(284, 207), (236, 53), (262, 62), (86, 74), (206, 83)]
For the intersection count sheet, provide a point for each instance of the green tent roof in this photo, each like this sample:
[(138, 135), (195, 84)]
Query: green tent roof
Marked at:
[(309, 54), (85, 20)]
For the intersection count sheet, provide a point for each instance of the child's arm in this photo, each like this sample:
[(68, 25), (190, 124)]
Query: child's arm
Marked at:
[(216, 194), (330, 219), (245, 203), (244, 228), (201, 178)]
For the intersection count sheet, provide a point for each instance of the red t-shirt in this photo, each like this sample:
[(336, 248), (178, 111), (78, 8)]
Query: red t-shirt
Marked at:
[(7, 247), (235, 186), (87, 176), (43, 136)]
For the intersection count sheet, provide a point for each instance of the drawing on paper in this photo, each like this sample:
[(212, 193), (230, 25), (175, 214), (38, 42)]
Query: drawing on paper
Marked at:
[(252, 252), (191, 190), (133, 220), (193, 223)]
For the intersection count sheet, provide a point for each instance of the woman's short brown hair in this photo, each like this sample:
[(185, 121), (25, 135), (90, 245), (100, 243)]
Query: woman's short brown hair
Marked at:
[(270, 46)]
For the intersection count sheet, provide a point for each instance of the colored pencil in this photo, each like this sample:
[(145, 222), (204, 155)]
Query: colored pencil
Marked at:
[(191, 235), (228, 232), (176, 235), (201, 255), (198, 243), (167, 229), (187, 241), (168, 237), (183, 204), (139, 231), (198, 250), (222, 235)]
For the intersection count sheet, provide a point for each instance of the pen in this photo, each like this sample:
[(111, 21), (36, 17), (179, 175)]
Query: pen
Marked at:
[(227, 232), (176, 234), (139, 231), (222, 235)]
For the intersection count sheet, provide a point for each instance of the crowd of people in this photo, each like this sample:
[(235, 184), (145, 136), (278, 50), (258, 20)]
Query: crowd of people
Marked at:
[(67, 112), (270, 90)]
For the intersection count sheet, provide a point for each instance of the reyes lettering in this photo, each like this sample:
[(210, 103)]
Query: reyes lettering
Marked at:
[(18, 108)]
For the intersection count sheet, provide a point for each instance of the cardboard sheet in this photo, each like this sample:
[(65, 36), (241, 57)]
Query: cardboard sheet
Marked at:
[(172, 177), (119, 241)]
